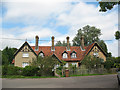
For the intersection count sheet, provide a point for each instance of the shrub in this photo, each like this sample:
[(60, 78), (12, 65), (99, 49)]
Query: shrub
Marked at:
[(11, 70), (30, 71)]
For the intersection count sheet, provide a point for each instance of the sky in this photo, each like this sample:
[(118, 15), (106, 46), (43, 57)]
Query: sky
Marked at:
[(22, 20)]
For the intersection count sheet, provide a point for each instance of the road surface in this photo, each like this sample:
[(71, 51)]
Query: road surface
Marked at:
[(99, 81)]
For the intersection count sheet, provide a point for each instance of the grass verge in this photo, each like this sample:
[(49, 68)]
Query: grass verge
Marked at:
[(20, 76)]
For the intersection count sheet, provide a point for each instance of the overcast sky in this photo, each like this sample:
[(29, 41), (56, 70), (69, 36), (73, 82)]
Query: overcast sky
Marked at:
[(24, 19)]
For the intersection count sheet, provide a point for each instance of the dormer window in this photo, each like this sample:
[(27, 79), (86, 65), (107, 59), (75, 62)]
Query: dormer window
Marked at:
[(73, 54), (65, 55), (41, 54)]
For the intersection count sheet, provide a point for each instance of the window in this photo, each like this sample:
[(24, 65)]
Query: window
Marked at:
[(75, 64), (66, 65), (73, 55), (64, 55), (24, 64), (25, 54), (41, 54), (96, 54)]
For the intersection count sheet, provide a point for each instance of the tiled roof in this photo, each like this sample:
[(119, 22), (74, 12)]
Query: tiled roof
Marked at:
[(60, 49)]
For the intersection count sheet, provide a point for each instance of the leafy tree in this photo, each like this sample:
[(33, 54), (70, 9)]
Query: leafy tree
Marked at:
[(117, 62), (104, 6), (91, 34), (103, 45), (59, 43), (45, 64), (92, 62), (8, 55), (117, 35), (109, 64)]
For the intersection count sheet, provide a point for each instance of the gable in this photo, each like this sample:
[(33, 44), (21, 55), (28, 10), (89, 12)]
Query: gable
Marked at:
[(24, 48)]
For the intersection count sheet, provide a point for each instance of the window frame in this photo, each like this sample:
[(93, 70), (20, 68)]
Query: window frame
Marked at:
[(73, 56), (65, 55), (25, 55)]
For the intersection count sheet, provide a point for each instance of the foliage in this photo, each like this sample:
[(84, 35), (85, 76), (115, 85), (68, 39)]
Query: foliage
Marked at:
[(104, 6), (73, 68), (45, 64), (59, 43), (109, 64), (91, 35), (92, 62), (117, 62), (11, 70), (103, 45), (117, 35), (30, 71), (8, 55)]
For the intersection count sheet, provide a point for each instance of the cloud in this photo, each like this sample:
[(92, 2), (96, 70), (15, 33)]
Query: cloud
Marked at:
[(33, 13), (41, 18)]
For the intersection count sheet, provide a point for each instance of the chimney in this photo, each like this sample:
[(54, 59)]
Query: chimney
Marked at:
[(68, 45), (53, 47), (82, 42), (36, 44)]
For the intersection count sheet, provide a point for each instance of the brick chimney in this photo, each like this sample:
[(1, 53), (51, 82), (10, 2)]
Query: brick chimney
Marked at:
[(82, 43), (36, 43), (53, 47), (68, 44)]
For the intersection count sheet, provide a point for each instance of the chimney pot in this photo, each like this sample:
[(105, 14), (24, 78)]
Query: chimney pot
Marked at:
[(68, 44), (53, 47), (36, 44), (82, 43)]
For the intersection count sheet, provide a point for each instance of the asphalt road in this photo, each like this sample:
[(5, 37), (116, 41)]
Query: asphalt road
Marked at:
[(100, 81)]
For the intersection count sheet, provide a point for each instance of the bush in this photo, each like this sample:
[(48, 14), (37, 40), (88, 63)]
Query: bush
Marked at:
[(11, 70), (31, 71)]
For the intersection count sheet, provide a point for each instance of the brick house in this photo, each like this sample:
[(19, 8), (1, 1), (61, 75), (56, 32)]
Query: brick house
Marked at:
[(71, 54)]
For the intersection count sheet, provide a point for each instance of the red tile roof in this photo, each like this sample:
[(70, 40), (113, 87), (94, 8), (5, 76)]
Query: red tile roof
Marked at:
[(60, 49)]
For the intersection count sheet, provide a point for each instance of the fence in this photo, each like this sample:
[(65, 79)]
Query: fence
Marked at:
[(79, 71)]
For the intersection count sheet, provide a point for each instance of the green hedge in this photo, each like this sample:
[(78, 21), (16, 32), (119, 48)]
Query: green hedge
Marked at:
[(11, 70), (27, 71), (31, 71)]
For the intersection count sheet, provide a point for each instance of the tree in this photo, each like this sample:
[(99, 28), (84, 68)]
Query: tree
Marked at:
[(92, 62), (91, 35), (8, 55), (117, 35), (45, 64), (59, 43), (103, 46), (109, 63), (104, 6)]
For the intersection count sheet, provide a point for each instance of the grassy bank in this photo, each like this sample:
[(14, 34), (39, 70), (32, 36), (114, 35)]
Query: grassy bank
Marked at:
[(20, 76)]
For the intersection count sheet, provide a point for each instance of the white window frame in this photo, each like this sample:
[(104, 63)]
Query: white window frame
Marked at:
[(25, 55), (41, 54), (73, 55), (65, 55), (66, 65), (96, 54), (75, 63), (24, 64)]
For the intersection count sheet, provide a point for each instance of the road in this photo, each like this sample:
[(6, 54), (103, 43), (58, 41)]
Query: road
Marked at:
[(99, 81)]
